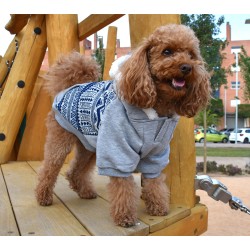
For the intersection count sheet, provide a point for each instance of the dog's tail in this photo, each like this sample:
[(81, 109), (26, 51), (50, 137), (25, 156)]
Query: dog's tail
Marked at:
[(69, 70)]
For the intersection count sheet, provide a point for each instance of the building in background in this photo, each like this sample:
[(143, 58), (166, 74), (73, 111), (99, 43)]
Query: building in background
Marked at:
[(88, 49), (228, 93)]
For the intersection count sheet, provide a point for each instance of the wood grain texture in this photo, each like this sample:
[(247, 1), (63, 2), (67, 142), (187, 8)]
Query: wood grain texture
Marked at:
[(192, 225), (26, 67), (32, 218), (110, 51), (95, 22), (142, 25), (62, 35), (8, 226), (17, 23)]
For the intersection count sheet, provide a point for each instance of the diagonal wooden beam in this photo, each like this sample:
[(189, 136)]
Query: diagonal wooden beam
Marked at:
[(17, 22), (95, 22), (20, 83)]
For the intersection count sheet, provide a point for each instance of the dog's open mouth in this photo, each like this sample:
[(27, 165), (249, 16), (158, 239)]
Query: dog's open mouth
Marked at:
[(178, 83)]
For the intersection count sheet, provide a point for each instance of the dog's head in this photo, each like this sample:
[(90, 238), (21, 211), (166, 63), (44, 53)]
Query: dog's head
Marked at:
[(167, 72)]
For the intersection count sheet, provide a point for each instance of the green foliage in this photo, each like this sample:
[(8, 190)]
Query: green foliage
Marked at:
[(99, 55), (244, 62), (211, 118), (216, 107), (206, 29), (244, 110)]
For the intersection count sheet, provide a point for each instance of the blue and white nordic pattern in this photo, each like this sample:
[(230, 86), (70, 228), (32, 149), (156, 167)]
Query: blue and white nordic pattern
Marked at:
[(83, 105)]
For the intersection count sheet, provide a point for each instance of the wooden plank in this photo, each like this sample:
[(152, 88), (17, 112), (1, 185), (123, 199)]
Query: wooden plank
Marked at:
[(25, 69), (95, 22), (194, 224), (93, 213), (110, 51), (17, 23), (7, 218), (32, 144), (34, 219), (177, 212)]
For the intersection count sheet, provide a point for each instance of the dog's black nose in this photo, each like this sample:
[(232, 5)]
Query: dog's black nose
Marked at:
[(185, 69)]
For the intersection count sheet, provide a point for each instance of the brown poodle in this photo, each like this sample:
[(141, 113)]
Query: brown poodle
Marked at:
[(130, 124)]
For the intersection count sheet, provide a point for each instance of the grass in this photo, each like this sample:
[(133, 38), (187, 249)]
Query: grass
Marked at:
[(224, 152)]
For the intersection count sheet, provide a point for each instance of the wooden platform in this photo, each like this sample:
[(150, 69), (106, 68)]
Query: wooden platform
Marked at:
[(69, 215)]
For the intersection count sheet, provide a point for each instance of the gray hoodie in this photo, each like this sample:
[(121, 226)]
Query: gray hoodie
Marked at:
[(122, 135)]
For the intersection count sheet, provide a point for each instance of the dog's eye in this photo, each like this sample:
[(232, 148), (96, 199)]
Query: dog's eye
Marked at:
[(167, 52)]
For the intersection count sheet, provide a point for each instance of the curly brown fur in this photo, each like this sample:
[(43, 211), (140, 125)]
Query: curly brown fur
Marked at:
[(80, 172), (166, 73), (156, 195), (147, 75), (58, 144), (124, 195), (69, 70)]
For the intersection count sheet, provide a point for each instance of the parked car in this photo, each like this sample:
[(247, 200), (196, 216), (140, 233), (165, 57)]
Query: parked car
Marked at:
[(212, 135), (243, 135), (227, 131)]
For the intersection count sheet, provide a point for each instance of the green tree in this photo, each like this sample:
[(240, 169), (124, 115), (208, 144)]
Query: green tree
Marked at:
[(99, 55), (206, 29), (244, 62), (211, 119)]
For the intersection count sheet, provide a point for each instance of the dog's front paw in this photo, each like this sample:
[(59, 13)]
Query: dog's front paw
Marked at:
[(44, 198), (126, 221), (157, 209), (87, 194)]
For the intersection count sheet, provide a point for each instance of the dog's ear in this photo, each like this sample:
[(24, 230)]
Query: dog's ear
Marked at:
[(199, 95), (136, 85)]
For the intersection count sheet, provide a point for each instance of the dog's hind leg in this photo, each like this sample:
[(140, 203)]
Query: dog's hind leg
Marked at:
[(124, 196), (156, 195), (79, 174), (58, 144)]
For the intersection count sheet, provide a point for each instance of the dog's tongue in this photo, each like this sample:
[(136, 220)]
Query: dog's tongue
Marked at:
[(178, 83)]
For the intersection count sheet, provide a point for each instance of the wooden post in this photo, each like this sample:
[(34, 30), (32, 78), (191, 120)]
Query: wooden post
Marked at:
[(62, 38), (62, 35), (181, 169), (110, 51), (20, 83), (142, 25)]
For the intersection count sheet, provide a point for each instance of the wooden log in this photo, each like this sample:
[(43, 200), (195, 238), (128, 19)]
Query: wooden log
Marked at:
[(20, 83), (181, 170), (8, 57), (17, 23), (146, 24), (62, 35), (110, 51), (95, 22), (192, 225)]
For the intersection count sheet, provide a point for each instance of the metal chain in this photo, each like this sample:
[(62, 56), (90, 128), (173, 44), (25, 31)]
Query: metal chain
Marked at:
[(218, 191), (9, 65)]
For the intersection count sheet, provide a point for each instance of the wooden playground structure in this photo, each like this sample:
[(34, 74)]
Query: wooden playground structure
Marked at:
[(21, 144)]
